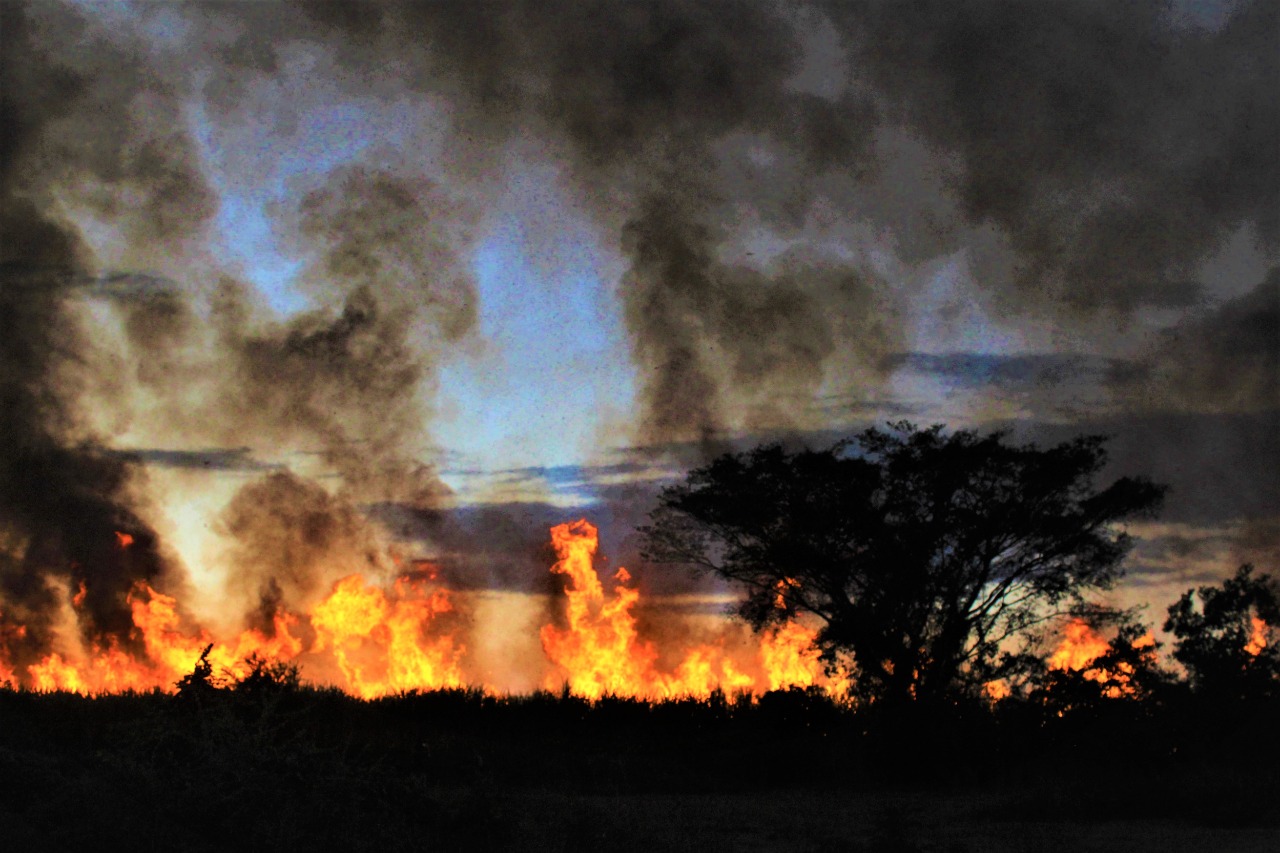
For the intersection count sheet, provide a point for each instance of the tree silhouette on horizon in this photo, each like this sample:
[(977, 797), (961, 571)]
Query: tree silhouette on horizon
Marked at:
[(920, 551), (1226, 636)]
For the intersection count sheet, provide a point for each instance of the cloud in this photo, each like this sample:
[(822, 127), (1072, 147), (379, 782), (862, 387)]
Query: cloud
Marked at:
[(209, 459)]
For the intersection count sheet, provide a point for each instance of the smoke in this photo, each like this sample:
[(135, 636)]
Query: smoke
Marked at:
[(1112, 147), (640, 98), (98, 161), (1225, 359), (775, 185), (290, 538), (69, 513), (1086, 160)]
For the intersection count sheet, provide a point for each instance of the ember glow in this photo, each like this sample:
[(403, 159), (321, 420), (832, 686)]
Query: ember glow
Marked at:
[(1257, 636)]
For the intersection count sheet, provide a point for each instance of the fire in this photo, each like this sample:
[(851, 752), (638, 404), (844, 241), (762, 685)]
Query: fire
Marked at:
[(171, 652), (375, 639), (380, 641), (1257, 636), (790, 658), (997, 690), (599, 650), (781, 588), (1080, 646)]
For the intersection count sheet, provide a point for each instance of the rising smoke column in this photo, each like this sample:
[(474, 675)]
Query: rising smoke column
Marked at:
[(95, 134), (637, 99), (63, 502)]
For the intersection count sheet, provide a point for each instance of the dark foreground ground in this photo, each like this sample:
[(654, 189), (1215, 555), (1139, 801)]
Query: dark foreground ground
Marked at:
[(284, 768)]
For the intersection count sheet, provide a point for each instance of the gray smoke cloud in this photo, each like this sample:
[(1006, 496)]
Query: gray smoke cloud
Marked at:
[(1085, 160), (1224, 359), (778, 185), (1112, 147)]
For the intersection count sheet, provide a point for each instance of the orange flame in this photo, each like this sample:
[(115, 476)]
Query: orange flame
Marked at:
[(1081, 645), (790, 658), (599, 650), (997, 690), (1257, 636), (374, 640), (781, 588), (380, 641)]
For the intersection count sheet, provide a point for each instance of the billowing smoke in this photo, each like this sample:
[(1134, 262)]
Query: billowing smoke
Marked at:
[(68, 511), (1226, 359), (97, 142), (643, 98), (289, 538), (1112, 148), (1084, 159), (781, 190)]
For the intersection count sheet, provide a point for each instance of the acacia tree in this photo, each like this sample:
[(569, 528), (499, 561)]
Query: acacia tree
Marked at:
[(920, 551)]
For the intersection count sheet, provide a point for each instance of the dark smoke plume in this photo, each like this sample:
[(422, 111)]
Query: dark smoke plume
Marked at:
[(1226, 359), (67, 510), (1112, 146), (289, 538), (1092, 157)]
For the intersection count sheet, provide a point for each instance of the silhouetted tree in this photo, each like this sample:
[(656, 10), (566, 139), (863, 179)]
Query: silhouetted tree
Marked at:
[(200, 682), (919, 550), (1227, 639), (1128, 670)]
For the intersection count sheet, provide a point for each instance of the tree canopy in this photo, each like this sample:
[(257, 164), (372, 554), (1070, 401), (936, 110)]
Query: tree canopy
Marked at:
[(919, 550), (1227, 638)]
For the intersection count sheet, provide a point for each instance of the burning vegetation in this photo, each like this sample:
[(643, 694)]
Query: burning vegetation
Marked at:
[(372, 640), (377, 639)]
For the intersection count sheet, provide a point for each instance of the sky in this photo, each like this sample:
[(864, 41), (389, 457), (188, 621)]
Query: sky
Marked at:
[(470, 270)]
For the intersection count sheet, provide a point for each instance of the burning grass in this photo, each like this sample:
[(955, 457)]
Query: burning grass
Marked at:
[(375, 639)]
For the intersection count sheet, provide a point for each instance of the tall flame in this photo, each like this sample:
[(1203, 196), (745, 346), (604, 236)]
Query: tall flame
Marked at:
[(789, 657), (599, 650)]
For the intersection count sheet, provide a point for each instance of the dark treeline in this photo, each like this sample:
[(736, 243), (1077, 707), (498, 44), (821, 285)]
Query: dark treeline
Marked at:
[(269, 761)]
